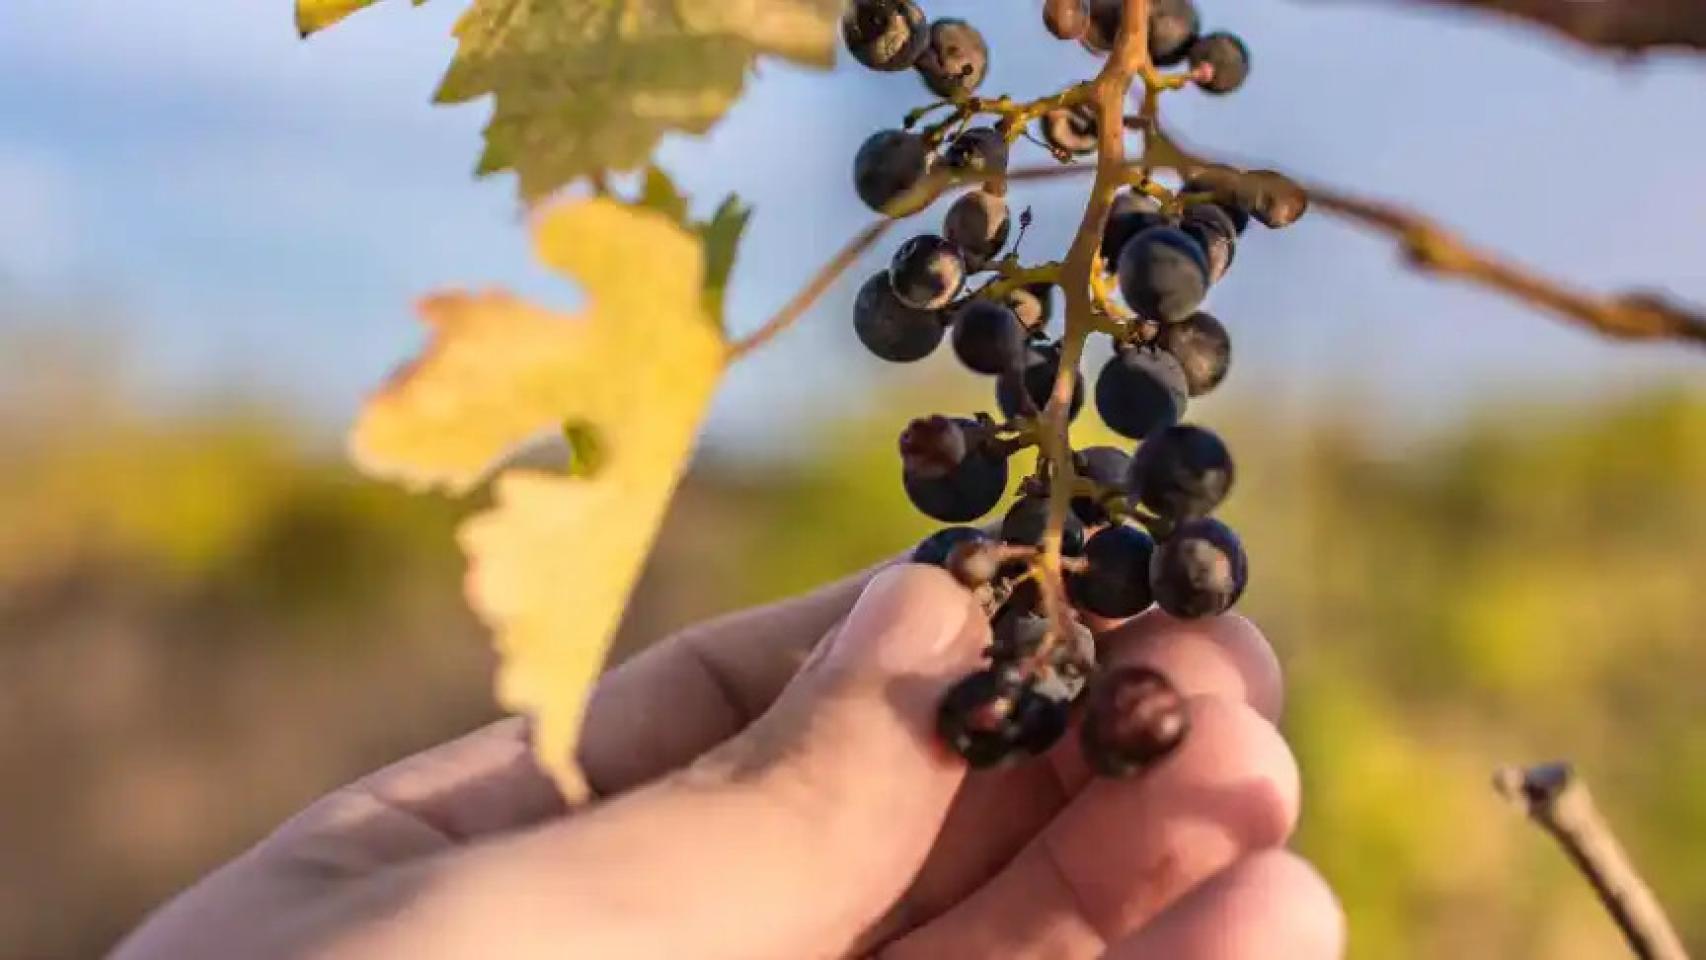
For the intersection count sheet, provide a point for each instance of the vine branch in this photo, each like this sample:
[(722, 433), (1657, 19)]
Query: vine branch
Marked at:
[(815, 287), (1559, 802), (1633, 315), (1630, 26), (1433, 249)]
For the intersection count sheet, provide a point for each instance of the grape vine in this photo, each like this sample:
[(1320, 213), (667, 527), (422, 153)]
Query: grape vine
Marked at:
[(1093, 531)]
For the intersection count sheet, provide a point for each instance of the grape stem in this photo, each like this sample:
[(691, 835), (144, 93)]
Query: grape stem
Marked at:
[(1128, 60), (1559, 802), (815, 287)]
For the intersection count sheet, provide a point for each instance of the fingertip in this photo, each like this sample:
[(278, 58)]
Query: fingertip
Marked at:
[(911, 618), (1269, 904), (1299, 904)]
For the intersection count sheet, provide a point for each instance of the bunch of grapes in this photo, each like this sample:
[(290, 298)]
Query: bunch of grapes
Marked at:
[(1139, 529)]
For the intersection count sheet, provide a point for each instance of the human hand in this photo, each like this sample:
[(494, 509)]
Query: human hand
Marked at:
[(771, 788)]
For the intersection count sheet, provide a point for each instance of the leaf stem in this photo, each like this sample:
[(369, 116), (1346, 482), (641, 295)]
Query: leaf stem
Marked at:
[(808, 294)]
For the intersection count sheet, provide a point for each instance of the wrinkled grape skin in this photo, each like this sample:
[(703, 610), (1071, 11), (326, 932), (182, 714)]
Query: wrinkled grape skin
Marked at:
[(1203, 348), (1134, 717), (955, 59), (885, 35), (1182, 472), (935, 548), (978, 223), (1200, 570), (968, 491), (1229, 58), (1070, 129), (927, 272)]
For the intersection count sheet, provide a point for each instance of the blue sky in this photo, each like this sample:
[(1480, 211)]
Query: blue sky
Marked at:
[(249, 213)]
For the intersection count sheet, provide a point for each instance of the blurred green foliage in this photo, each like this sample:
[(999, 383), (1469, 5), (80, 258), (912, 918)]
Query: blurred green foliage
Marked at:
[(1520, 588)]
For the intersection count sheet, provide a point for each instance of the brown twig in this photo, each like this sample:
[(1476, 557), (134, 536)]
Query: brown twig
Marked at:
[(814, 288), (1560, 803), (1432, 248), (1628, 26), (1633, 315)]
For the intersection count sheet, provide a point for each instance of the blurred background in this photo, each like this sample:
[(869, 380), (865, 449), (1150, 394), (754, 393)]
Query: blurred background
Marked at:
[(1478, 535)]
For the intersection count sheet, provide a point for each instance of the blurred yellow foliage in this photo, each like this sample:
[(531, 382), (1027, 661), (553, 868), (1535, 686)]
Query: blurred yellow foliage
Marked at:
[(1521, 588)]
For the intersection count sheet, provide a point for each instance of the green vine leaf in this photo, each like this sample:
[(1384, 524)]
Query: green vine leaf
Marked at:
[(659, 192), (582, 86), (722, 234)]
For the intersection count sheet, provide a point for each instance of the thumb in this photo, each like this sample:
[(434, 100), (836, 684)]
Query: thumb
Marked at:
[(786, 841)]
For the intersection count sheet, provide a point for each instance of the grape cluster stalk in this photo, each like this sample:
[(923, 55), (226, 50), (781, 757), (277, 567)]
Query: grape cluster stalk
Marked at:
[(1096, 532)]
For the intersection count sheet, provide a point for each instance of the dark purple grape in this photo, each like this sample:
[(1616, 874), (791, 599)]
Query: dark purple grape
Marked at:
[(1122, 225), (1203, 348), (978, 224), (886, 35), (1140, 391), (974, 563), (1106, 466), (980, 150), (1224, 59), (1214, 230), (889, 164), (1163, 274), (1199, 570), (1027, 520), (891, 329), (934, 549), (988, 337), (1173, 26), (1223, 182), (1273, 198), (1042, 720), (1066, 19), (964, 492), (1034, 383), (1134, 718), (1070, 129), (1117, 582), (1032, 304), (989, 719), (955, 60), (927, 272), (933, 447), (975, 719), (1181, 473)]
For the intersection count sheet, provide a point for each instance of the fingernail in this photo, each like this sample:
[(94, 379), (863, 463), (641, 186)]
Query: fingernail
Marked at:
[(911, 618)]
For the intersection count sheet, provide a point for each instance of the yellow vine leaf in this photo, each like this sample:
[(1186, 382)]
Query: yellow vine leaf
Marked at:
[(552, 561), (582, 86), (312, 16)]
